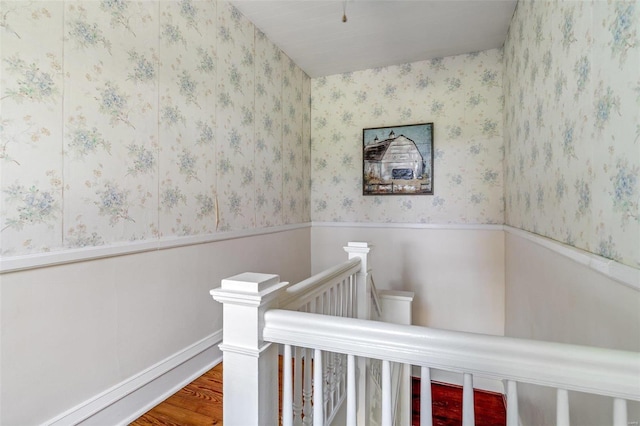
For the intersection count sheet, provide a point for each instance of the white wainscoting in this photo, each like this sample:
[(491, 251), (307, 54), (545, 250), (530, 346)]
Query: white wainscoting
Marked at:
[(564, 298), (455, 271), (133, 397), (70, 332), (610, 268)]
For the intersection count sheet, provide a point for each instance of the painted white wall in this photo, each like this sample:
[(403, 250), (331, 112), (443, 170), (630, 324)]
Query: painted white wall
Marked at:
[(457, 275), (551, 297), (69, 332)]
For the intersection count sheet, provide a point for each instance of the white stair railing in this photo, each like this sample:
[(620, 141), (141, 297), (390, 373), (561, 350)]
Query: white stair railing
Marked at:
[(338, 291), (332, 349), (314, 383), (599, 371)]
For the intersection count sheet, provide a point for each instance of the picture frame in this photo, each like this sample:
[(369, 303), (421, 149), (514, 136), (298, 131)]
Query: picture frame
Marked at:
[(398, 160)]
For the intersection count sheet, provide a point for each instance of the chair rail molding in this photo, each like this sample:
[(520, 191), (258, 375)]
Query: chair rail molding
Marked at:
[(65, 256)]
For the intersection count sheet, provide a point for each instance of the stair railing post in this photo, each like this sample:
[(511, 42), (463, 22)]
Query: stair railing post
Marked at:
[(250, 373), (363, 311), (363, 289), (396, 308)]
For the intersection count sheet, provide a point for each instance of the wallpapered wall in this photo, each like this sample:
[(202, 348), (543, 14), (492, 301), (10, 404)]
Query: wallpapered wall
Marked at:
[(461, 95), (572, 132), (130, 121)]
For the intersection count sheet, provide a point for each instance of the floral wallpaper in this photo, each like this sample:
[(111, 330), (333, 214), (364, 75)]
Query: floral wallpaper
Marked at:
[(125, 120), (572, 132), (461, 95)]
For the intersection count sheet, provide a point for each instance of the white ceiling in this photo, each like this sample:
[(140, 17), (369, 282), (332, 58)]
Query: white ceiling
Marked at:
[(377, 32)]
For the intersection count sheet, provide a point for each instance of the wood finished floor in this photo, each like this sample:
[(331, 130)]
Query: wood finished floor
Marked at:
[(200, 403)]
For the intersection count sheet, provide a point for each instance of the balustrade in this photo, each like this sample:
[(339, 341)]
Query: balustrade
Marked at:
[(331, 349), (565, 367)]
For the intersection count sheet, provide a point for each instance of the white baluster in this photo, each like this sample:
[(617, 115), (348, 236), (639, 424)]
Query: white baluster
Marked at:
[(354, 296), (326, 383), (426, 404), (351, 390), (307, 392), (343, 375), (386, 394), (339, 299), (335, 300), (562, 409), (336, 295), (297, 385), (343, 285), (331, 359), (345, 297), (468, 410), (347, 293), (287, 391), (329, 381), (318, 392), (512, 403), (619, 412)]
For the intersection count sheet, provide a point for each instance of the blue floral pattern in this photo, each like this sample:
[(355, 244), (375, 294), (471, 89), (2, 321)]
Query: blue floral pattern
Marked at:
[(34, 206), (583, 189), (85, 34), (85, 141), (144, 70), (155, 117), (114, 103), (113, 202), (462, 95), (143, 159), (31, 127), (211, 125), (32, 84), (626, 191)]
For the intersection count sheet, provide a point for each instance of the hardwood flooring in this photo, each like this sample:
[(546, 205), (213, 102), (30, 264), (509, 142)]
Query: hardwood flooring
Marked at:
[(200, 403), (197, 404), (489, 407)]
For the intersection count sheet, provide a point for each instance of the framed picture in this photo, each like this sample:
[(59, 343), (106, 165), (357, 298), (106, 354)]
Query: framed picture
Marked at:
[(398, 160)]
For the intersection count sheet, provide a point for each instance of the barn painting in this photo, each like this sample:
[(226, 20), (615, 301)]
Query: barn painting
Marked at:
[(398, 160)]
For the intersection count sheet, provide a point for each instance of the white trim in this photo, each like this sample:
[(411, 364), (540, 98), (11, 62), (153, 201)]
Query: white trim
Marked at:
[(617, 271), (443, 226), (128, 387), (624, 274), (234, 349), (405, 296), (39, 260)]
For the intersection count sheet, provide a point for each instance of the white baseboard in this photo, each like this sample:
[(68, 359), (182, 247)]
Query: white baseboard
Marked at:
[(131, 398)]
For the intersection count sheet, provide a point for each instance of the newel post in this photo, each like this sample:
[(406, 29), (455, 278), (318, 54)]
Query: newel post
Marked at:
[(363, 289), (250, 373), (363, 311)]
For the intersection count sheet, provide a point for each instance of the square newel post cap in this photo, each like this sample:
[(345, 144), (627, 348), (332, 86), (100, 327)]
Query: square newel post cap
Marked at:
[(357, 247), (250, 282), (248, 288)]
